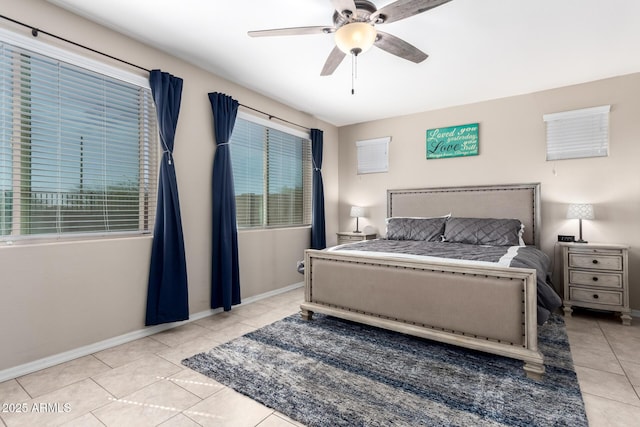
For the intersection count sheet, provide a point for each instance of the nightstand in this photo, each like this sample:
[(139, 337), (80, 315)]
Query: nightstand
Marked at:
[(350, 237), (596, 275)]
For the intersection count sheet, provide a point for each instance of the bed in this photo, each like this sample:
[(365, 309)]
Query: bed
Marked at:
[(481, 305)]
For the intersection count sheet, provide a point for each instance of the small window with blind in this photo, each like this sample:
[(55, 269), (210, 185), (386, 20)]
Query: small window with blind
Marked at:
[(578, 133), (78, 145), (373, 155), (272, 174)]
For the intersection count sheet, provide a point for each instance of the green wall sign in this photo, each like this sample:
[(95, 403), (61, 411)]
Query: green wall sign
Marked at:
[(454, 141)]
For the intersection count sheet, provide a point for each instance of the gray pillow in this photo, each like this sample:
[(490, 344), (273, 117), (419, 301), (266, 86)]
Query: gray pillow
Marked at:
[(483, 231), (405, 228)]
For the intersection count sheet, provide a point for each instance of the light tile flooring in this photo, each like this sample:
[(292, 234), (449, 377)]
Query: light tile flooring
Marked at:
[(142, 383), (606, 356)]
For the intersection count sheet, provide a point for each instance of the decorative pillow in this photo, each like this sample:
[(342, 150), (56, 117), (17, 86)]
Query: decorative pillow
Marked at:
[(405, 228), (483, 231), (520, 234)]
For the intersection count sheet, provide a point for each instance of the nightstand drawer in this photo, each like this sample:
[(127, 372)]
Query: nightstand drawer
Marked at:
[(596, 279), (349, 239), (595, 262), (595, 296)]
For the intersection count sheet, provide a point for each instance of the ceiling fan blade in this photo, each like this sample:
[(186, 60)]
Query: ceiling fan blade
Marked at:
[(294, 31), (399, 47), (402, 9), (335, 58), (341, 5)]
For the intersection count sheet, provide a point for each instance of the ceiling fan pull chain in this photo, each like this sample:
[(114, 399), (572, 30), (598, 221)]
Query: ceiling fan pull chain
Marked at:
[(353, 78), (354, 71)]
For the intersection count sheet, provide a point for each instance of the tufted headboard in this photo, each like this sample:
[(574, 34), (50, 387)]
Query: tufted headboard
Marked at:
[(521, 201)]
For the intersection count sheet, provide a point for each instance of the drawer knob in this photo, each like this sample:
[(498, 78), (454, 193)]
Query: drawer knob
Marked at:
[(595, 261), (595, 278), (596, 296)]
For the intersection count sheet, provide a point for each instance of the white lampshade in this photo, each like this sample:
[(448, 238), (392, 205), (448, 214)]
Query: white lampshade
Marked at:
[(358, 212), (356, 37), (580, 211)]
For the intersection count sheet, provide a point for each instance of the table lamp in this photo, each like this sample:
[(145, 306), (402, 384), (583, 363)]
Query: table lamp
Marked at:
[(357, 212), (580, 211)]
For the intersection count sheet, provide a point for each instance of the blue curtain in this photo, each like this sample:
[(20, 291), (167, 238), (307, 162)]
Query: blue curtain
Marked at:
[(318, 234), (225, 272), (167, 297)]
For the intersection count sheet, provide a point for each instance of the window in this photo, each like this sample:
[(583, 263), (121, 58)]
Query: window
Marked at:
[(271, 173), (578, 133), (373, 155), (78, 147)]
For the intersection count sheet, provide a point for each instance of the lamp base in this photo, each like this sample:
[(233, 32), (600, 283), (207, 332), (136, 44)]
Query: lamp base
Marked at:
[(357, 230), (580, 232)]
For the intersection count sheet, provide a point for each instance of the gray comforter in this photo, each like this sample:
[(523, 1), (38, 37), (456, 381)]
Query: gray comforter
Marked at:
[(514, 256)]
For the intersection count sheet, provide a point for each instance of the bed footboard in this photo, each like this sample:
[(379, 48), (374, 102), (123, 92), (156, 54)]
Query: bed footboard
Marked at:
[(486, 308)]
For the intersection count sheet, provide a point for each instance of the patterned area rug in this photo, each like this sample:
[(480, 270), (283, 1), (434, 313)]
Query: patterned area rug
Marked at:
[(331, 372)]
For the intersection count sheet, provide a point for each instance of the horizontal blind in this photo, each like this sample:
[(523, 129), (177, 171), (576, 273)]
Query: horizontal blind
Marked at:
[(373, 155), (285, 178), (79, 149), (247, 160), (272, 175), (578, 133)]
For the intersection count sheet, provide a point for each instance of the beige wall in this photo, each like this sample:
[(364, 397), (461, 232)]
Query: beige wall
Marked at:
[(57, 297), (512, 150)]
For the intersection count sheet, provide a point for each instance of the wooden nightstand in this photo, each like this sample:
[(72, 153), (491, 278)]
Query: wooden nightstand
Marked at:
[(596, 275), (350, 237)]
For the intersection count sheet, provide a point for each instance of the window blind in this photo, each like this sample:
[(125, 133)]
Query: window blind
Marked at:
[(248, 163), (78, 148), (373, 155), (578, 133), (272, 174)]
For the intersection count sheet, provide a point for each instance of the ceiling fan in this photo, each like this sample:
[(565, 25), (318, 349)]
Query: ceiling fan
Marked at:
[(354, 24)]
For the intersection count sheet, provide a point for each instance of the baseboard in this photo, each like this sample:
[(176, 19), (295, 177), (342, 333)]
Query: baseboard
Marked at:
[(66, 356), (272, 293), (635, 314)]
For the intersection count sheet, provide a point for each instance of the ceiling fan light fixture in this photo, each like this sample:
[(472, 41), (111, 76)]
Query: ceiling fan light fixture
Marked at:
[(355, 37)]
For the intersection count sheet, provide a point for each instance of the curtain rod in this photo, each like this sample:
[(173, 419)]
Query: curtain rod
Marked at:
[(35, 31), (271, 116)]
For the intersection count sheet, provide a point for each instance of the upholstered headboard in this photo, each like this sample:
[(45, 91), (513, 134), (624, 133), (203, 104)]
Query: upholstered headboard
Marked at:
[(521, 201)]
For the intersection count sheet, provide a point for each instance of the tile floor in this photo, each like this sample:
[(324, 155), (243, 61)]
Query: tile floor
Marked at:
[(606, 356), (142, 383)]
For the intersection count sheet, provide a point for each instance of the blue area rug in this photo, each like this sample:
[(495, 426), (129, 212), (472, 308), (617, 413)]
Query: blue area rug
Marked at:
[(332, 372)]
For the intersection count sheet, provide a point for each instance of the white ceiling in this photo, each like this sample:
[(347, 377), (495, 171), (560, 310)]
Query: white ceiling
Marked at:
[(479, 49)]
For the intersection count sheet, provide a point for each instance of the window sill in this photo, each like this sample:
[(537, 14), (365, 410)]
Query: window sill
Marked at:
[(93, 238)]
